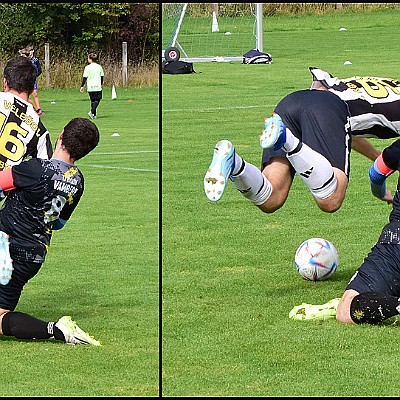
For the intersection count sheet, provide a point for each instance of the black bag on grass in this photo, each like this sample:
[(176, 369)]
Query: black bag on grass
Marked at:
[(177, 67), (257, 57)]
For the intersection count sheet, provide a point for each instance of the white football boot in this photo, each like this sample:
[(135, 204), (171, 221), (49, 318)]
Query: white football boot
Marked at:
[(73, 334), (220, 170)]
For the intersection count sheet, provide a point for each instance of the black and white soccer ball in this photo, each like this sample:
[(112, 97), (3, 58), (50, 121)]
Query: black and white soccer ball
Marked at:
[(316, 259)]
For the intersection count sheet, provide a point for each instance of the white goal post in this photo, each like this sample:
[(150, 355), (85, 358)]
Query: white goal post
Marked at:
[(212, 31)]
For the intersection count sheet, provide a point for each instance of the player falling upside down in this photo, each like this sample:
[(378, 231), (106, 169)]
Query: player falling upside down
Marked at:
[(42, 196), (311, 128), (373, 110), (373, 294)]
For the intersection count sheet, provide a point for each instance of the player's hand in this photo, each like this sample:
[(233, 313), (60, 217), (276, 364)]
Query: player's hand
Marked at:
[(388, 197), (81, 89)]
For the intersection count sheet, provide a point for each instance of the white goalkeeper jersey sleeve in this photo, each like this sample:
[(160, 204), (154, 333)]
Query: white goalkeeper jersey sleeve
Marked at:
[(22, 134)]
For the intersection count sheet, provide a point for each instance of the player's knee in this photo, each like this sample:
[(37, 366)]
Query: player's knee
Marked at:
[(343, 313), (275, 201), (269, 208), (329, 205)]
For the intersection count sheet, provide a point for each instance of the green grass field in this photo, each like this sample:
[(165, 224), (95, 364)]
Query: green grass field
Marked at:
[(228, 275), (102, 268)]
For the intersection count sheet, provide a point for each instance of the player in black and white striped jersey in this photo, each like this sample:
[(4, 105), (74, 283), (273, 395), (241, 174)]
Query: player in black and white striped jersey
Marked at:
[(374, 106), (364, 107), (22, 134)]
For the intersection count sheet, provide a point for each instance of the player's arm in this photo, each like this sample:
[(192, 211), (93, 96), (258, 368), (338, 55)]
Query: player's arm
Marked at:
[(84, 79), (59, 224), (364, 147), (385, 164), (66, 212), (38, 67), (6, 180)]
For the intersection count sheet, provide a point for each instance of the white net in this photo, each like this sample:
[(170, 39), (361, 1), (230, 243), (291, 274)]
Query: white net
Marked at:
[(207, 31)]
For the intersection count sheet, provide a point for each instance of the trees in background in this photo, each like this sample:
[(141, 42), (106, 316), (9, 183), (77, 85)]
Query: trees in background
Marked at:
[(74, 29)]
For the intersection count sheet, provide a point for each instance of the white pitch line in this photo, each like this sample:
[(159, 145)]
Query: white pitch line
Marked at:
[(121, 168), (212, 108), (122, 152)]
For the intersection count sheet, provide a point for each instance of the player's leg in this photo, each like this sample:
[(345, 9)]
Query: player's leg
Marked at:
[(372, 295), (334, 200), (99, 96), (253, 184), (280, 174), (24, 326), (343, 310), (327, 184), (20, 325), (92, 106), (95, 98), (36, 99)]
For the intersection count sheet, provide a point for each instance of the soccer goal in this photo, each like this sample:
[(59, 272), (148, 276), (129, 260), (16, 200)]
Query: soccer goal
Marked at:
[(212, 31)]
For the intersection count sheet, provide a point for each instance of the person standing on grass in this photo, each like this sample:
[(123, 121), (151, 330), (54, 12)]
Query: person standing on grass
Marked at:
[(28, 53), (43, 195), (93, 76)]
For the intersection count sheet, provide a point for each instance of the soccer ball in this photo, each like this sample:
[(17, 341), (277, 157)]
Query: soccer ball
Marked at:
[(316, 259)]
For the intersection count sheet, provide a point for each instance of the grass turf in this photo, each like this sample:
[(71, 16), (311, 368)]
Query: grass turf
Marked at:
[(102, 268), (228, 274)]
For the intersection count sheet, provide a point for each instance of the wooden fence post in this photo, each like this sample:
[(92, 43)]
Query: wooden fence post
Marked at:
[(47, 63), (124, 63)]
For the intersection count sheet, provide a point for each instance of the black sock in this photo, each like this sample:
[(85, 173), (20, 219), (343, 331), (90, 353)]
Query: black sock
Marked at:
[(373, 307), (24, 326)]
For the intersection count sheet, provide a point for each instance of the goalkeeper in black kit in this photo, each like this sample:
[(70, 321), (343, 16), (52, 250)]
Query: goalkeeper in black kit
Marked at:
[(42, 194), (373, 293)]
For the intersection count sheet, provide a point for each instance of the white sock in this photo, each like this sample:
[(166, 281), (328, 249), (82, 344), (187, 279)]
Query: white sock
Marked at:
[(315, 171), (237, 164), (291, 141), (251, 182)]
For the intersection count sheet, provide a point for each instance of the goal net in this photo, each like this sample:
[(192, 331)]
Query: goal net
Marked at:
[(212, 31)]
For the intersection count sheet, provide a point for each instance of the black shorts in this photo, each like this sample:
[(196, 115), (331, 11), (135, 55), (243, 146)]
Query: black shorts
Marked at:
[(10, 293), (380, 271), (319, 119), (96, 96)]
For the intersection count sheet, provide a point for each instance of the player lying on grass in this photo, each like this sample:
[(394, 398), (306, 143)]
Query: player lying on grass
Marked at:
[(42, 196), (373, 294), (312, 135)]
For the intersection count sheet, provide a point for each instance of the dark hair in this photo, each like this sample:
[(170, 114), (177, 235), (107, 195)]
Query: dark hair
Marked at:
[(20, 74), (93, 56), (80, 137)]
